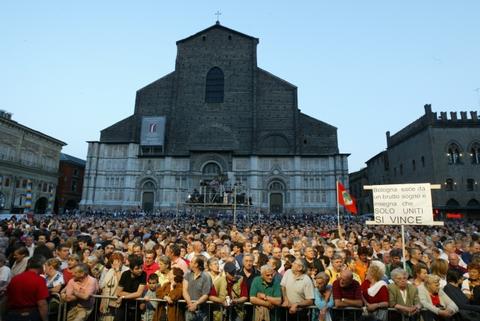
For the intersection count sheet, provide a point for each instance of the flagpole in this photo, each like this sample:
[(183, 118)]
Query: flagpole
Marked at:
[(338, 208)]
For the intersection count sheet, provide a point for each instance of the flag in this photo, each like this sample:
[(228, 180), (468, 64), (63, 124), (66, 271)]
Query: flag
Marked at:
[(345, 199)]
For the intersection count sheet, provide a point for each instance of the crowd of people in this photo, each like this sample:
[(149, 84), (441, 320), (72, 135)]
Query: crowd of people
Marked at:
[(164, 267)]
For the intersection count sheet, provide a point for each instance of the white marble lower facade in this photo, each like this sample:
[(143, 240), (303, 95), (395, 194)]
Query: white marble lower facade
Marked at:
[(117, 178)]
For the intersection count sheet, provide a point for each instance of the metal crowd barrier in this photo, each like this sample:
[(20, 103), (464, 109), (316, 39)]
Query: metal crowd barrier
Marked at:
[(213, 311)]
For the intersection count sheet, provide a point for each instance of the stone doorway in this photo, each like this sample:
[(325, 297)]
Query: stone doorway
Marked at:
[(276, 203)]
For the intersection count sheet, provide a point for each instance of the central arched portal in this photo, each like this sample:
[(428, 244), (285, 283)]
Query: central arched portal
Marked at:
[(276, 191), (148, 196)]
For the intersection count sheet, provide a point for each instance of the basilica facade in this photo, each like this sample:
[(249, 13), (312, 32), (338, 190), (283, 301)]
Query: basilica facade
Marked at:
[(217, 125)]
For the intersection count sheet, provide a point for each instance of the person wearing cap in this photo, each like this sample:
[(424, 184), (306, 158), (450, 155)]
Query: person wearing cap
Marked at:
[(237, 292)]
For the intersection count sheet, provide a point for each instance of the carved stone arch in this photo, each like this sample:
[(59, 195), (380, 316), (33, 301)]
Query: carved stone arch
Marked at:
[(473, 203), (204, 159), (274, 144)]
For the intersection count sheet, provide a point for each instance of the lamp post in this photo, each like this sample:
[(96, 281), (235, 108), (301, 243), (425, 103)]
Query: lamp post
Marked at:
[(235, 204)]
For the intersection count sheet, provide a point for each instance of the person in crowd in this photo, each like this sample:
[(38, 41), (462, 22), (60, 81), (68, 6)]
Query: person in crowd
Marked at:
[(473, 248), (396, 256), (346, 293), (323, 297), (72, 261), (95, 267), (266, 295), (420, 271), (164, 267), (53, 276), (28, 302), (473, 280), (237, 292), (5, 277), (437, 304), (362, 263), (62, 253), (375, 292), (310, 259), (21, 257), (196, 288), (467, 311), (79, 292), (248, 273), (130, 287), (150, 266), (171, 291), (449, 248), (218, 293), (350, 264), (174, 254), (297, 290), (108, 286), (415, 257), (403, 296), (454, 264), (428, 257), (335, 268), (439, 268), (149, 307)]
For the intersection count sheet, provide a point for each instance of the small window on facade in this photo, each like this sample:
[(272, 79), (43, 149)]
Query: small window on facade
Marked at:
[(475, 153), (74, 186), (212, 169), (214, 86), (414, 166), (453, 154), (423, 161), (449, 184), (401, 169), (75, 172), (470, 184)]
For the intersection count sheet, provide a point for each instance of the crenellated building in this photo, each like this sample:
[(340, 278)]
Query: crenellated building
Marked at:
[(436, 148)]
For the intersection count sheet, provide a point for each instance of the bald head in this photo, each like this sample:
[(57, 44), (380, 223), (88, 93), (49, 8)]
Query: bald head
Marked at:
[(346, 278)]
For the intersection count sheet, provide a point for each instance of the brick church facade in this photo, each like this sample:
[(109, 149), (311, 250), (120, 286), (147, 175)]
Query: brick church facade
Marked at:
[(218, 123)]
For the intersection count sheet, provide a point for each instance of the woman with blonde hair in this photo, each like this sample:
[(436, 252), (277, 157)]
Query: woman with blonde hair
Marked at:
[(109, 284), (53, 275), (375, 292)]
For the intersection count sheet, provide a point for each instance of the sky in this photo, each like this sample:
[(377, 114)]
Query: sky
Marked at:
[(70, 69)]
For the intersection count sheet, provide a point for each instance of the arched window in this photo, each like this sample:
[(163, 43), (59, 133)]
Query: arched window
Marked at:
[(148, 186), (475, 153), (214, 86), (449, 184), (452, 203), (470, 184), (276, 186), (453, 154), (211, 169)]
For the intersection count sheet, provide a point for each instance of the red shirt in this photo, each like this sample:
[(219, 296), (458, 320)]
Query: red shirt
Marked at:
[(352, 292), (150, 269), (381, 296), (25, 290), (67, 275)]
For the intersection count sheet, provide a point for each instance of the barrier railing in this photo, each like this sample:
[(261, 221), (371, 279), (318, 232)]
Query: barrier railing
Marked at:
[(130, 310)]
